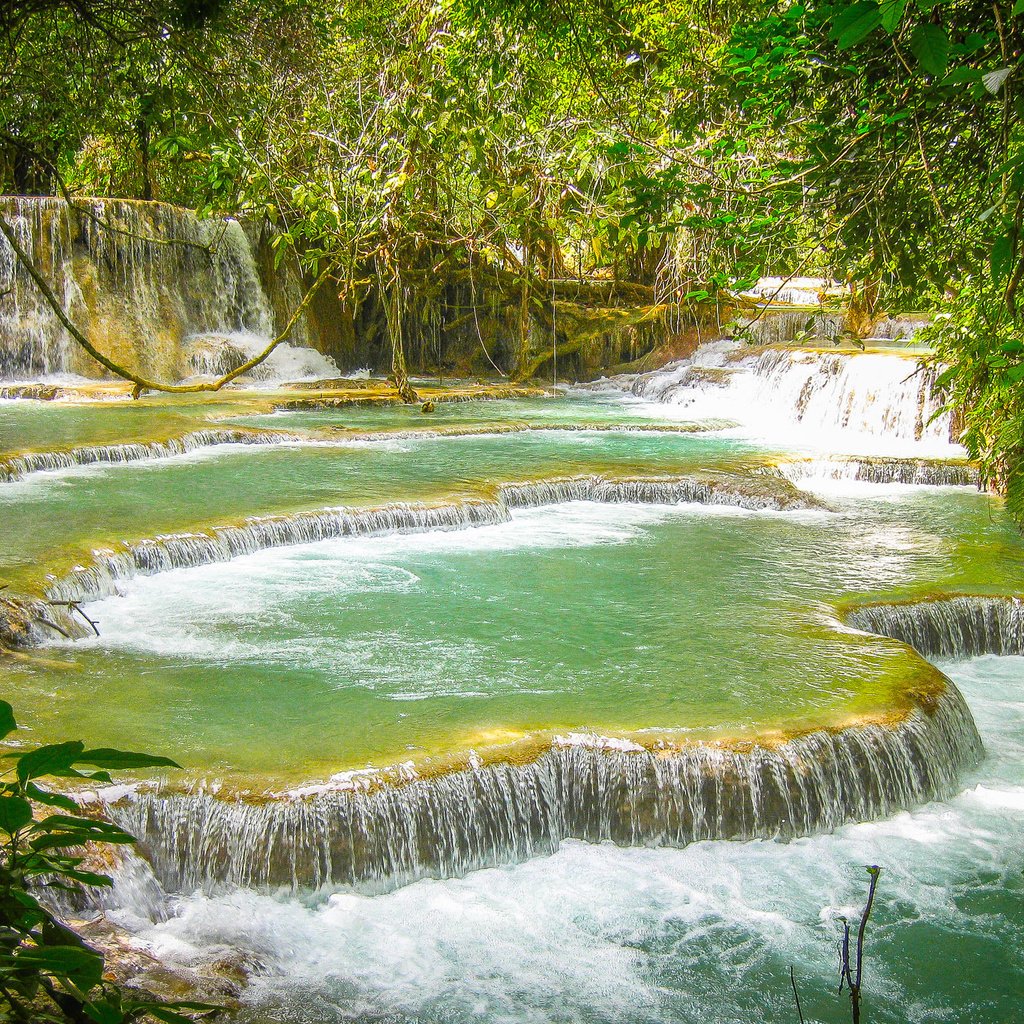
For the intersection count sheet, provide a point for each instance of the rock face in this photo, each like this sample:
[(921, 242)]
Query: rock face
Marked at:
[(169, 295), (137, 278)]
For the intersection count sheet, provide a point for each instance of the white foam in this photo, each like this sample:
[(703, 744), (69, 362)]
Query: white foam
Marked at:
[(804, 400), (601, 933), (214, 354)]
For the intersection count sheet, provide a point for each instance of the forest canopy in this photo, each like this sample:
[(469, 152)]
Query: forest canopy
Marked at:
[(681, 148)]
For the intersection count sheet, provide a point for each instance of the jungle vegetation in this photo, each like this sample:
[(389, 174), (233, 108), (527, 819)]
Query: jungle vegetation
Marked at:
[(423, 156)]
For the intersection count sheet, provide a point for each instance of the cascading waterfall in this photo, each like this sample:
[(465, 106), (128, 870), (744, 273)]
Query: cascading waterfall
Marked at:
[(17, 467), (222, 543), (865, 393), (808, 392), (141, 281), (136, 277), (881, 470), (780, 328), (952, 627), (378, 836)]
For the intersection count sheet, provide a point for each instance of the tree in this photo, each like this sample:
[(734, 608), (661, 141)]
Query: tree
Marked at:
[(47, 971)]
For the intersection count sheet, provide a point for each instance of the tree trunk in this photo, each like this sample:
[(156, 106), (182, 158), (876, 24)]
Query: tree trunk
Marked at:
[(521, 364), (142, 135), (399, 371)]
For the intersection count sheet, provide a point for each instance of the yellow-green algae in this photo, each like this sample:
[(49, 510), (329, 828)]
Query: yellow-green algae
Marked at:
[(955, 541)]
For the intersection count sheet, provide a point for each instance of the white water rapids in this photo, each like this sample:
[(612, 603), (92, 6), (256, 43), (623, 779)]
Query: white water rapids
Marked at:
[(705, 933), (864, 402)]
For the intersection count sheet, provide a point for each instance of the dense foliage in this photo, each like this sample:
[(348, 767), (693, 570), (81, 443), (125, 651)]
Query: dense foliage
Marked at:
[(47, 971), (685, 147)]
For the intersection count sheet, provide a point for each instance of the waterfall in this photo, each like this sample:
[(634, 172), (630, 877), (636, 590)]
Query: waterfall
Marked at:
[(149, 284), (807, 394), (222, 543), (882, 470), (781, 328), (380, 835), (17, 467), (951, 627), (880, 395), (214, 355)]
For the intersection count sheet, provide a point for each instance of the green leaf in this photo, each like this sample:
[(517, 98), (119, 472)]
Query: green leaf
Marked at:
[(892, 13), (7, 722), (962, 76), (91, 829), (105, 1011), (169, 1016), (15, 813), (83, 966), (55, 757), (856, 23), (168, 1012), (1001, 258), (44, 796), (1018, 8), (107, 757), (88, 878), (930, 45)]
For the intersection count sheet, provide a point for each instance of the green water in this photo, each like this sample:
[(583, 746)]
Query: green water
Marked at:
[(707, 934), (53, 520), (597, 409), (32, 425), (644, 622), (295, 663)]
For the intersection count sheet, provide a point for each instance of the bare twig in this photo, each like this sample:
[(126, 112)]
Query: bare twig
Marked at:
[(796, 994), (849, 974), (74, 606)]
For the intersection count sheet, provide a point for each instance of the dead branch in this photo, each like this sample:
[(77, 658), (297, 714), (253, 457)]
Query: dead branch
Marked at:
[(849, 974)]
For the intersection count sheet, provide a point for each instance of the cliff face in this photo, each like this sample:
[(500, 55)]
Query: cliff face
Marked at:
[(139, 279), (169, 295)]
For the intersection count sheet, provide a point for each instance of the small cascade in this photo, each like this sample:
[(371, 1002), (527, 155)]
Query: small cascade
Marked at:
[(807, 393), (222, 543), (952, 627), (897, 328), (798, 291), (753, 492), (882, 470), (880, 395), (378, 837), (137, 278), (215, 355), (786, 326), (17, 467)]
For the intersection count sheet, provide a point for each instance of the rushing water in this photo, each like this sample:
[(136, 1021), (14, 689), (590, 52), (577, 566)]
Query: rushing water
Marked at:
[(870, 401), (706, 933), (449, 647), (622, 618), (152, 286)]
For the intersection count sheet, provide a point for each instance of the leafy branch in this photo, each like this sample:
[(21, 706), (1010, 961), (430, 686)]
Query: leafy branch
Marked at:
[(48, 973)]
